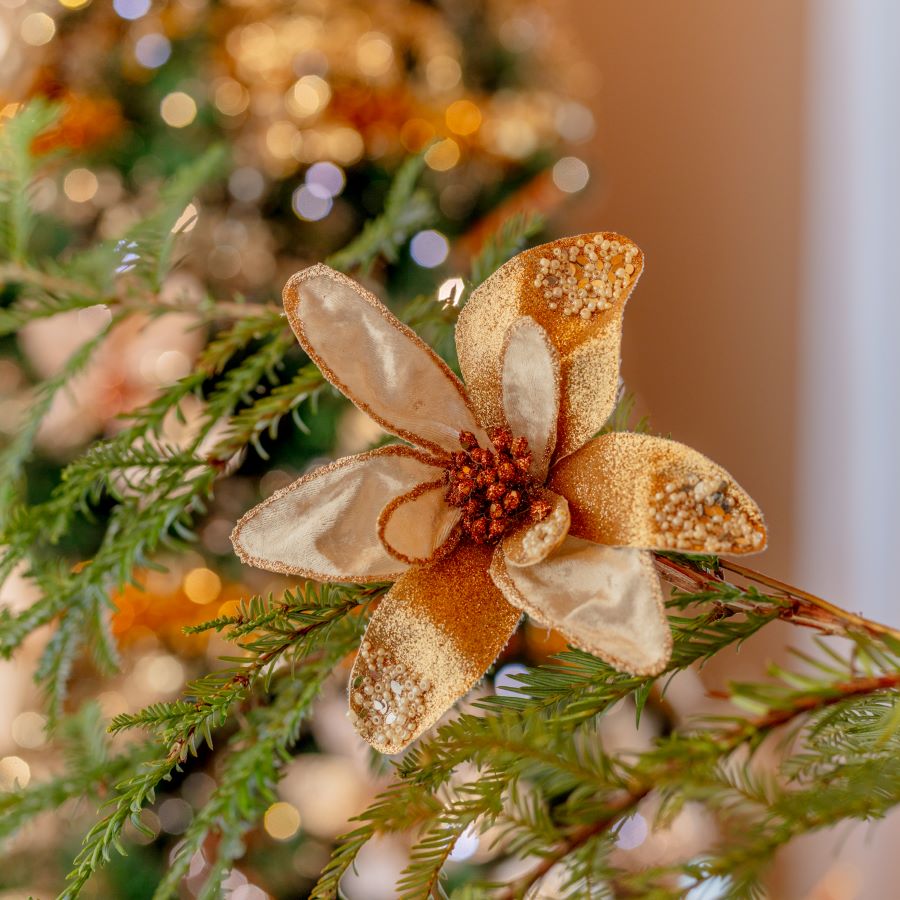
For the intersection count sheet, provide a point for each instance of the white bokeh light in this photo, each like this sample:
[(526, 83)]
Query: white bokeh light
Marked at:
[(506, 681), (450, 292), (429, 248), (152, 50), (325, 179), (308, 206), (246, 184), (712, 889), (571, 174), (466, 846), (131, 9), (632, 832)]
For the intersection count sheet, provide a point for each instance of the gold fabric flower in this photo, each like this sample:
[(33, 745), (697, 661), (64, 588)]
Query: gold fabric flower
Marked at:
[(506, 502)]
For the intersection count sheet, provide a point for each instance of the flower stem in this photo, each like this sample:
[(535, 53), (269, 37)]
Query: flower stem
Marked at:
[(805, 609)]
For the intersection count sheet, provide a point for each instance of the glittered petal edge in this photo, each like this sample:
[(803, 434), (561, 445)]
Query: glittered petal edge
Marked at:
[(376, 361), (604, 600), (438, 629), (304, 528), (533, 542), (418, 527)]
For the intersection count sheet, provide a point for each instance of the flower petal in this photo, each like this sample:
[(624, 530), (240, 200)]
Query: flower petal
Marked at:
[(635, 490), (376, 361), (531, 390), (588, 345), (604, 600), (534, 541), (419, 526), (324, 525), (432, 637)]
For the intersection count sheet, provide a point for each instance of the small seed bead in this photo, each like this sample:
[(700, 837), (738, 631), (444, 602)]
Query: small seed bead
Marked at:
[(702, 515), (387, 699), (588, 277)]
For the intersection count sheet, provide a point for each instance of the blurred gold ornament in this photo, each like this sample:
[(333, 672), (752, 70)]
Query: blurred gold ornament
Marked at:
[(166, 602), (86, 122), (391, 73)]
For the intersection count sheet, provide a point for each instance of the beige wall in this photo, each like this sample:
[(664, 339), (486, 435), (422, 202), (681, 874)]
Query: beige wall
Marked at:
[(698, 159)]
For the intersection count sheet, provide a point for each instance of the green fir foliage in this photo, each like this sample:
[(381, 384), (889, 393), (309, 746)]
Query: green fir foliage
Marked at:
[(530, 765)]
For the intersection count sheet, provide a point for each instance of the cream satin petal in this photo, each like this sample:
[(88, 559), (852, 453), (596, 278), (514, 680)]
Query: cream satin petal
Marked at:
[(635, 490), (419, 526), (604, 600), (588, 347), (431, 638), (531, 390), (324, 525), (376, 361), (533, 541)]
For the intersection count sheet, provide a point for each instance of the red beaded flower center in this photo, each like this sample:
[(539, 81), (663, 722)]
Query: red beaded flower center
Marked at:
[(493, 488)]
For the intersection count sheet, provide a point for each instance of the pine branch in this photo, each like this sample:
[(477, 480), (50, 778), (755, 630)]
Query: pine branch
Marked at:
[(573, 842), (251, 769), (801, 607), (406, 210), (17, 169), (530, 738), (264, 416), (303, 627), (285, 629), (90, 771), (15, 454)]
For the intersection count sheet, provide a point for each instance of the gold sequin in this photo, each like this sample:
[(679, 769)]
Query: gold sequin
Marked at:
[(702, 515), (587, 277)]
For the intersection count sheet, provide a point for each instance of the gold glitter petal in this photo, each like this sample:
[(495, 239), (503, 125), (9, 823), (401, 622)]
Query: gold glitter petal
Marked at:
[(432, 637), (587, 339), (635, 490), (604, 600), (480, 335), (531, 390), (324, 525), (533, 541), (376, 361), (419, 526)]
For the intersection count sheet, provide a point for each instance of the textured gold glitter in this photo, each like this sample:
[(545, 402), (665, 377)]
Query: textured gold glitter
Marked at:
[(444, 623), (617, 484), (588, 348)]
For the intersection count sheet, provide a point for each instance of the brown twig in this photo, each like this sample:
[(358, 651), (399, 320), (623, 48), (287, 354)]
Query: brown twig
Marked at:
[(804, 608), (578, 837), (775, 718)]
